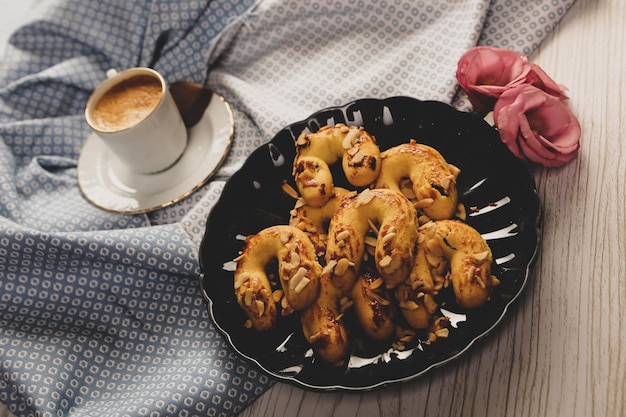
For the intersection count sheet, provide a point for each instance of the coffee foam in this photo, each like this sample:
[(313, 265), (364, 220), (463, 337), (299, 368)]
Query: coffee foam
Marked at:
[(126, 104)]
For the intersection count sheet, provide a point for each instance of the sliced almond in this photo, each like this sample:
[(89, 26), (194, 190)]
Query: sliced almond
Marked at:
[(408, 305), (385, 262), (365, 197), (297, 277), (433, 247), (350, 138), (289, 190), (358, 158), (260, 307), (377, 283), (303, 283), (481, 256), (388, 237), (241, 279), (329, 267), (423, 203), (342, 266), (442, 333), (343, 235), (471, 272)]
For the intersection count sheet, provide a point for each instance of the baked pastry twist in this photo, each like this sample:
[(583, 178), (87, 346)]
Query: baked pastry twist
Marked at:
[(322, 324), (315, 152), (468, 256), (394, 219), (373, 306), (298, 271), (433, 179)]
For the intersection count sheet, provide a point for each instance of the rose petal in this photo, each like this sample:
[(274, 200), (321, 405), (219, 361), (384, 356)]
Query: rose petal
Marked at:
[(538, 77), (485, 73), (537, 126)]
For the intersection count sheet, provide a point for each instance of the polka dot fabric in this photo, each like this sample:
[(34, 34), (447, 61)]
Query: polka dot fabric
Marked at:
[(101, 314)]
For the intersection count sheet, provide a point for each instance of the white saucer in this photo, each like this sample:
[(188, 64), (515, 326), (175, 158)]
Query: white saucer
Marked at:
[(108, 184)]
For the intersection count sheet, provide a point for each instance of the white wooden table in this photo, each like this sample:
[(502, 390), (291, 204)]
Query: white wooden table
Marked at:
[(562, 350)]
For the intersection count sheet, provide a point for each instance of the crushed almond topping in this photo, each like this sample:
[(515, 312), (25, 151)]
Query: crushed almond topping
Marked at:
[(433, 260), (376, 283), (315, 337), (358, 158), (329, 266), (353, 151), (285, 237), (454, 170), (372, 226), (342, 266), (409, 305), (350, 137), (471, 272), (370, 241), (303, 283), (248, 297), (343, 235), (423, 203), (365, 197), (260, 306), (241, 279), (277, 295), (481, 256), (445, 183), (388, 237), (297, 277), (289, 190), (433, 247), (302, 140), (480, 281), (386, 261), (442, 333), (295, 258), (374, 296)]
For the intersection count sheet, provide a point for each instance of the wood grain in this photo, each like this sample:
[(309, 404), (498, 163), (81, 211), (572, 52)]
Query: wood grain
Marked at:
[(562, 352)]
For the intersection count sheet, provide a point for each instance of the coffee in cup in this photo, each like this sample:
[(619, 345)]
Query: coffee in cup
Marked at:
[(136, 117)]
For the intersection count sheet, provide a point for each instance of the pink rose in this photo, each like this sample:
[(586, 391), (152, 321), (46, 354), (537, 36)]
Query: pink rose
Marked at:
[(537, 126), (485, 73)]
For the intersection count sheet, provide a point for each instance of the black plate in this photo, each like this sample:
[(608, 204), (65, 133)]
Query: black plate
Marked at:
[(491, 179)]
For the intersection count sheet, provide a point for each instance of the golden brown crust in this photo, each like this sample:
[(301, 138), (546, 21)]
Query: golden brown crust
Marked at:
[(357, 149), (373, 306), (314, 221), (323, 327), (469, 258), (394, 218), (433, 179), (298, 272), (416, 296)]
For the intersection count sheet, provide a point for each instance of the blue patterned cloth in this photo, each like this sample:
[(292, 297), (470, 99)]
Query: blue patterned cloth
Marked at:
[(101, 314)]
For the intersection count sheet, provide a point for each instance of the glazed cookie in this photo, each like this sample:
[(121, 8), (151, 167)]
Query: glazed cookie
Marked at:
[(433, 179), (298, 271), (315, 152)]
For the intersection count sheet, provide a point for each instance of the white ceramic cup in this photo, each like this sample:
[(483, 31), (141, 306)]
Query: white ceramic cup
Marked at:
[(134, 114)]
